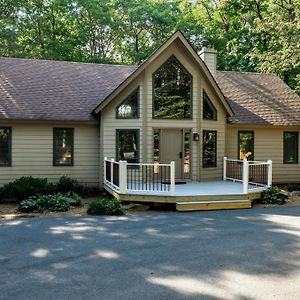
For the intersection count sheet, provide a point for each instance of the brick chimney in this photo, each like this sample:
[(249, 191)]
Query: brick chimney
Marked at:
[(209, 55)]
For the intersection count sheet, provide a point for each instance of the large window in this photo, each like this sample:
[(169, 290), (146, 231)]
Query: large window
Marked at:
[(63, 146), (209, 153), (5, 146), (127, 145), (246, 145), (172, 86), (129, 108), (290, 147), (209, 111)]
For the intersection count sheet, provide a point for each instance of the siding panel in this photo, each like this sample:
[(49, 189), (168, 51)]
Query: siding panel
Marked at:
[(32, 151), (268, 144)]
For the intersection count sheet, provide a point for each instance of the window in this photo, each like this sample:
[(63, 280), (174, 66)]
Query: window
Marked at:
[(290, 147), (209, 111), (127, 145), (172, 86), (129, 108), (5, 146), (209, 149), (63, 146), (246, 145)]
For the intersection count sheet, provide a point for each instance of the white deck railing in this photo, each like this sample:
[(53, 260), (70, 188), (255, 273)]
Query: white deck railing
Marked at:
[(253, 174), (125, 178)]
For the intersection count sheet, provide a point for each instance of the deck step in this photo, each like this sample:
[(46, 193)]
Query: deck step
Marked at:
[(211, 205)]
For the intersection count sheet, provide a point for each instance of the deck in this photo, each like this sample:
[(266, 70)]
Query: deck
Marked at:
[(198, 195), (209, 188), (243, 181)]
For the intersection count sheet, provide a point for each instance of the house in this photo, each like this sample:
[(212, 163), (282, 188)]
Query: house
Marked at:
[(64, 118)]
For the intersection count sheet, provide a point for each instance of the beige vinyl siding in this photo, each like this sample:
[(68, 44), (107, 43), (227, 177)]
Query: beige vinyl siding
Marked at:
[(268, 144), (110, 123), (146, 124), (32, 153)]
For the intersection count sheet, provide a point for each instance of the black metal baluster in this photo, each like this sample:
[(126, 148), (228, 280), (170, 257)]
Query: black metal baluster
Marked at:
[(139, 178), (134, 177)]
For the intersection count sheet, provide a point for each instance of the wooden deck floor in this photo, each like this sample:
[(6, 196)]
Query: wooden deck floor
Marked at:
[(209, 188), (198, 196)]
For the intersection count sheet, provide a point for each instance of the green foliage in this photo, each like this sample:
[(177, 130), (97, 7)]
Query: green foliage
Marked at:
[(249, 35), (73, 198), (66, 184), (25, 187), (273, 195), (105, 207), (294, 187), (44, 203), (172, 91)]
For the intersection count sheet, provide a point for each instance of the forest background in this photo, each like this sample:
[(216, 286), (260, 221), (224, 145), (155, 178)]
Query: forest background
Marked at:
[(250, 35)]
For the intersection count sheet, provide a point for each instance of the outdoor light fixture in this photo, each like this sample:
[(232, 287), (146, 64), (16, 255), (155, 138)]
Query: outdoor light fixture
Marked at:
[(196, 137)]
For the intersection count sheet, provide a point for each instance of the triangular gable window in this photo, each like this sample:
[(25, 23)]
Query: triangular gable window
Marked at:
[(172, 91), (129, 108), (209, 111)]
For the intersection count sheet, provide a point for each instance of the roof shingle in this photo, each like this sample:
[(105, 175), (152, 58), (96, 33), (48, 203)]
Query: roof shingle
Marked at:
[(65, 91), (258, 98), (55, 90)]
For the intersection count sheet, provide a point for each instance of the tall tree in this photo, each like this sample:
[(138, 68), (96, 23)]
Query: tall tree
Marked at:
[(280, 29), (252, 35)]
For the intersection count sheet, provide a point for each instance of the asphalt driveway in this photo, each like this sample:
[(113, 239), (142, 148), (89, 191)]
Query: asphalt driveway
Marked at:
[(240, 254)]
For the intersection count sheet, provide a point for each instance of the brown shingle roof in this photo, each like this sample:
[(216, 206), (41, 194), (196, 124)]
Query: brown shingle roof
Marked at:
[(259, 98), (55, 90)]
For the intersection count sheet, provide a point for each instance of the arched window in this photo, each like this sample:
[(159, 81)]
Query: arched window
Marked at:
[(172, 91)]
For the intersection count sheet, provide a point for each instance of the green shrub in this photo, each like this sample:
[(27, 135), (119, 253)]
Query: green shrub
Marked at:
[(66, 184), (25, 187), (73, 198), (294, 187), (273, 195), (43, 203), (105, 207)]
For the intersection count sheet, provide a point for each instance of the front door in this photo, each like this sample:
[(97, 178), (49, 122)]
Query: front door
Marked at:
[(171, 149)]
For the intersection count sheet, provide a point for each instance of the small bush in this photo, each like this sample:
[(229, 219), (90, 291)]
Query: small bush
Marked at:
[(66, 184), (25, 187), (294, 187), (105, 207), (43, 203), (273, 195), (73, 198)]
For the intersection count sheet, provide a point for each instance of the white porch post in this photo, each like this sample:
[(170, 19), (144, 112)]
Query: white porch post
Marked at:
[(104, 171), (224, 168), (112, 171), (123, 176), (270, 173), (245, 176), (172, 171)]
